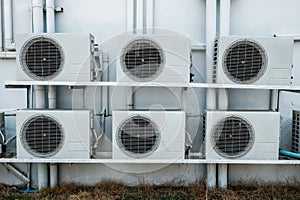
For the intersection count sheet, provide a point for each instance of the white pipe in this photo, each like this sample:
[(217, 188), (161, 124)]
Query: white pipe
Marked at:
[(50, 25), (42, 176), (139, 14), (274, 100), (211, 8), (211, 20), (50, 16), (211, 173), (16, 172), (1, 44), (129, 95), (224, 30), (53, 175), (8, 25), (52, 97), (38, 27), (150, 16), (105, 91), (37, 16), (222, 176), (223, 99), (223, 93), (40, 96), (130, 15), (225, 17)]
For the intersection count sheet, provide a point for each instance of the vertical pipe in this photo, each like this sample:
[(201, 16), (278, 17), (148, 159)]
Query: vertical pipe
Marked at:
[(144, 16), (105, 92), (211, 173), (129, 96), (37, 16), (8, 25), (274, 100), (224, 30), (50, 25), (53, 175), (211, 8), (223, 99), (42, 176), (38, 24), (52, 97), (1, 36), (134, 24), (222, 176), (150, 14), (211, 13), (223, 93), (139, 14), (40, 96), (130, 15), (50, 16), (225, 6), (138, 23)]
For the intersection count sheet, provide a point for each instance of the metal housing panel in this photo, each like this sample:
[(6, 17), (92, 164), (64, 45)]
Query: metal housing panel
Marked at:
[(279, 56), (77, 55), (265, 127), (76, 126), (171, 127), (176, 50)]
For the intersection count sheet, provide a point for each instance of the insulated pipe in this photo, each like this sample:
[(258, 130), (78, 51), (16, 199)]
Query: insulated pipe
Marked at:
[(8, 25), (289, 154), (211, 20), (223, 93)]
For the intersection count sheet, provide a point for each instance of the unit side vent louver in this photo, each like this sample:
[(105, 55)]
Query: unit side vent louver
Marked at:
[(42, 136), (232, 137), (142, 60), (138, 136), (41, 58), (244, 61), (204, 134), (296, 132)]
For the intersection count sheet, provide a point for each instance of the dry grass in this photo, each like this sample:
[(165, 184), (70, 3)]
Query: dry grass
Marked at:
[(112, 190)]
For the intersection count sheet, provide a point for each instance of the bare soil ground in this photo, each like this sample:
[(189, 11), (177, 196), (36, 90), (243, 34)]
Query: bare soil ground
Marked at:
[(112, 190)]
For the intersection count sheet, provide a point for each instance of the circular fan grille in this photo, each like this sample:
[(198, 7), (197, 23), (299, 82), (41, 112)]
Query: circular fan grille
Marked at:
[(142, 60), (138, 136), (244, 61), (41, 58), (232, 137), (42, 136)]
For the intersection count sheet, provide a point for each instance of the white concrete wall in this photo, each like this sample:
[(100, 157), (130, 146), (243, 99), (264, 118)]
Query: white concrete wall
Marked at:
[(104, 19)]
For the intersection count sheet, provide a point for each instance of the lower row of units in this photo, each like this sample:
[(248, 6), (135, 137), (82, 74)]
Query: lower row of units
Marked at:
[(70, 134)]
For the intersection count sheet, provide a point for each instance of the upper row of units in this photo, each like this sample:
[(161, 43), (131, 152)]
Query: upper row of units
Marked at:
[(151, 58)]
